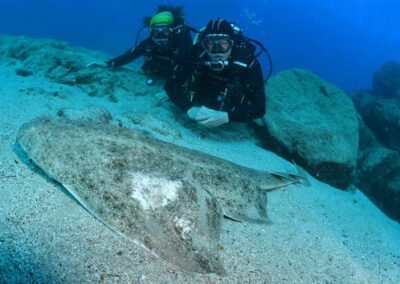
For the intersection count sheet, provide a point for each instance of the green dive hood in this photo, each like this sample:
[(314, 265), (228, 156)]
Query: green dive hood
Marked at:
[(162, 18)]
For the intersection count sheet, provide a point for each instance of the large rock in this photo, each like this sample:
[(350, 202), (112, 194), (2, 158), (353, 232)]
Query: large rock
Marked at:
[(382, 116), (367, 138), (378, 176), (313, 123), (66, 65), (386, 80), (378, 168)]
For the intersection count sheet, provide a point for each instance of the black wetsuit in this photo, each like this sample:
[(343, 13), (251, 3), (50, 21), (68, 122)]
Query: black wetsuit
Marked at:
[(238, 89), (158, 61)]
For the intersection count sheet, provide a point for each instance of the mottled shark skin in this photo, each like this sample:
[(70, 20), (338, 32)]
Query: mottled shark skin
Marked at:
[(163, 197), (105, 169)]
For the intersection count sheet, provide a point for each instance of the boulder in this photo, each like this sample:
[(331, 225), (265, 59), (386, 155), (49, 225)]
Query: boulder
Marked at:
[(386, 80), (66, 65), (367, 138), (382, 116), (361, 98), (313, 123), (378, 168), (378, 176)]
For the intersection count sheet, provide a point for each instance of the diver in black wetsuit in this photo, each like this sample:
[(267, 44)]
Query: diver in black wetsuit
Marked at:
[(222, 82), (168, 43)]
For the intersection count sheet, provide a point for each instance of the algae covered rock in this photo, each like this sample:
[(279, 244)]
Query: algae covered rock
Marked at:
[(313, 123), (378, 176), (63, 64), (386, 80), (382, 116), (378, 168)]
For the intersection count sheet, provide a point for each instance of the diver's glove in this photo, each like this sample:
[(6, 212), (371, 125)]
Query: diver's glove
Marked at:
[(96, 64), (214, 118), (192, 112), (162, 96), (208, 117)]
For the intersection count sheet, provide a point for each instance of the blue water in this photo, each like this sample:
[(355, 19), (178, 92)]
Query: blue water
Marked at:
[(343, 41)]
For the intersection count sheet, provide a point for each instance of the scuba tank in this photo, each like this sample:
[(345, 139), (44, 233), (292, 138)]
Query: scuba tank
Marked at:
[(252, 46)]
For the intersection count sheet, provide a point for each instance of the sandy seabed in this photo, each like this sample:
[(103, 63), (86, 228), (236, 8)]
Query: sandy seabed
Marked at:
[(319, 234)]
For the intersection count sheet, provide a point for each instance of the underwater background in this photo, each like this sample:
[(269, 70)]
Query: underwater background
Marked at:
[(337, 220), (341, 41)]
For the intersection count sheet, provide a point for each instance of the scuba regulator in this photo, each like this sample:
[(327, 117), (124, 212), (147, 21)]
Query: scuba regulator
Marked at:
[(216, 65)]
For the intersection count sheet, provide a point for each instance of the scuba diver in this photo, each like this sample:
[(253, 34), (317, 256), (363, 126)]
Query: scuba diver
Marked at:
[(169, 42), (223, 81)]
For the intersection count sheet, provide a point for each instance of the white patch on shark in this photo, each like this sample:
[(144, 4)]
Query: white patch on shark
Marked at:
[(83, 204), (184, 226), (153, 192)]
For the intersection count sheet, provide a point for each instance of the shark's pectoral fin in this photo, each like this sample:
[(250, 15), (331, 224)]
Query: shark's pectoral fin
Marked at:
[(226, 216), (269, 188), (287, 179), (265, 220)]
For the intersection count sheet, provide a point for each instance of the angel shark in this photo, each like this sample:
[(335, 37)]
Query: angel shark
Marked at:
[(167, 199)]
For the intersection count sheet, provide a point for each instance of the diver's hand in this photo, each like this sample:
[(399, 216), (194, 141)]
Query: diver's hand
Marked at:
[(192, 112), (212, 118), (97, 64), (162, 96), (208, 117)]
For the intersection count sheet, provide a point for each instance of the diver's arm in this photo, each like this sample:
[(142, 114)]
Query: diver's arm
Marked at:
[(186, 46), (175, 89), (128, 56), (178, 96), (256, 97)]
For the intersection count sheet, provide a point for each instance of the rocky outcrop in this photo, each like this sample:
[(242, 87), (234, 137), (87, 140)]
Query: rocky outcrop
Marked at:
[(313, 123), (367, 138), (382, 116), (386, 80), (59, 62), (378, 176), (378, 169)]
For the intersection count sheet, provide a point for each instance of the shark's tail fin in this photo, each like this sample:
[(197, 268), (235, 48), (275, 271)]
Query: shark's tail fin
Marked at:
[(300, 177)]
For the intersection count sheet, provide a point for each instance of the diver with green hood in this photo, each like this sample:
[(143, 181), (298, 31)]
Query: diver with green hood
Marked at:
[(168, 43)]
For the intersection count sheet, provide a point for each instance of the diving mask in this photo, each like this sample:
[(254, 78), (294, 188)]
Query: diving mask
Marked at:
[(217, 43), (161, 32)]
